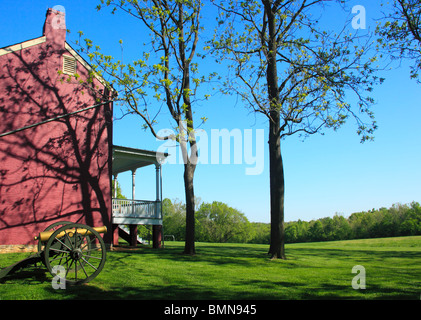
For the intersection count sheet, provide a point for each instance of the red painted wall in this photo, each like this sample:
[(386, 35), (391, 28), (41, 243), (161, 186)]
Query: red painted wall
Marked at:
[(59, 170)]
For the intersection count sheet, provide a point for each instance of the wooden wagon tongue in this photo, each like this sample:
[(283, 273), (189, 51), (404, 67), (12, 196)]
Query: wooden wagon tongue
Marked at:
[(44, 236), (21, 264)]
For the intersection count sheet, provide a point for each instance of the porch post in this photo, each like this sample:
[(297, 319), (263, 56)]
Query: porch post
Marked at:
[(133, 235), (133, 183), (114, 233), (160, 208), (133, 227), (157, 229), (115, 185), (157, 168), (133, 188), (157, 236), (160, 189)]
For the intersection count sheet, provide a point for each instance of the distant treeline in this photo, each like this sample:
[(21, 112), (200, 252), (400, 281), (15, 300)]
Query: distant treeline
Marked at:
[(398, 220), (218, 222)]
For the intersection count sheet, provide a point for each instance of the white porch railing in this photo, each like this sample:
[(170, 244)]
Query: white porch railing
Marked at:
[(136, 209)]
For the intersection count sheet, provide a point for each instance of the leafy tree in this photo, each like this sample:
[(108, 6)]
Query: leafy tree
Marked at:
[(328, 228), (316, 231), (119, 192), (302, 228), (167, 68), (144, 232), (285, 67), (260, 233), (355, 222), (174, 217), (217, 222), (412, 222), (342, 229), (400, 33), (291, 233)]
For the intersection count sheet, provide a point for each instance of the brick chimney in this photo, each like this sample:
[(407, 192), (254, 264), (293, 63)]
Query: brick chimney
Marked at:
[(55, 27)]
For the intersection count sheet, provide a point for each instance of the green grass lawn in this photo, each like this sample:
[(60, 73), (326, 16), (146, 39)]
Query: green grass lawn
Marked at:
[(320, 270)]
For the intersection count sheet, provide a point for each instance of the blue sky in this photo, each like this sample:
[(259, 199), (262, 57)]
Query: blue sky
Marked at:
[(324, 175)]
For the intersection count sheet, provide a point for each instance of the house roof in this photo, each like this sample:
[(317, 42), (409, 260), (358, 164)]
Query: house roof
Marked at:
[(22, 45), (130, 159)]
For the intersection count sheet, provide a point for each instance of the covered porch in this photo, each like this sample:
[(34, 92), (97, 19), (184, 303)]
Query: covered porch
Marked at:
[(133, 212)]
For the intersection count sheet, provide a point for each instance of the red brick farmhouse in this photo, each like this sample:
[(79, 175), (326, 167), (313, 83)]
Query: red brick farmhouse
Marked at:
[(56, 154)]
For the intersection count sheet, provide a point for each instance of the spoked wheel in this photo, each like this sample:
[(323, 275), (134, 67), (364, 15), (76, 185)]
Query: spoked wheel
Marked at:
[(75, 252), (52, 227)]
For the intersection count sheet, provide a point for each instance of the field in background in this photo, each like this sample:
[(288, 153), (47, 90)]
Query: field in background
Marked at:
[(319, 270)]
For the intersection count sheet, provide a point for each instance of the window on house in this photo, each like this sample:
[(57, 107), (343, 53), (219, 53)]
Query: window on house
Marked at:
[(69, 65)]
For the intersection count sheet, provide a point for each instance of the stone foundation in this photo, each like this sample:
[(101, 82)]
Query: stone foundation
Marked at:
[(16, 248)]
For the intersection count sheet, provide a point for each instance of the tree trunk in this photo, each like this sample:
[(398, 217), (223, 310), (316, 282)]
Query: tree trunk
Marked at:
[(189, 162), (189, 247), (277, 189), (276, 249)]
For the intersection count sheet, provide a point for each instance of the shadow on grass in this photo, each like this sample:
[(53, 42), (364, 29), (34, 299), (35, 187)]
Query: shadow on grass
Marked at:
[(32, 275), (216, 255), (173, 292), (240, 288), (311, 274), (180, 292)]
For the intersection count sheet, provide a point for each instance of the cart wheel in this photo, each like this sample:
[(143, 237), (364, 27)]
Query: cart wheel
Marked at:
[(52, 227), (78, 249)]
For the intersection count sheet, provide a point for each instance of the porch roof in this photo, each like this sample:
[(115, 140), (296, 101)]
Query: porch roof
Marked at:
[(129, 159)]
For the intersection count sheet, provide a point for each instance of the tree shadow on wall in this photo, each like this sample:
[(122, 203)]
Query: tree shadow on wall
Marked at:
[(59, 170)]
